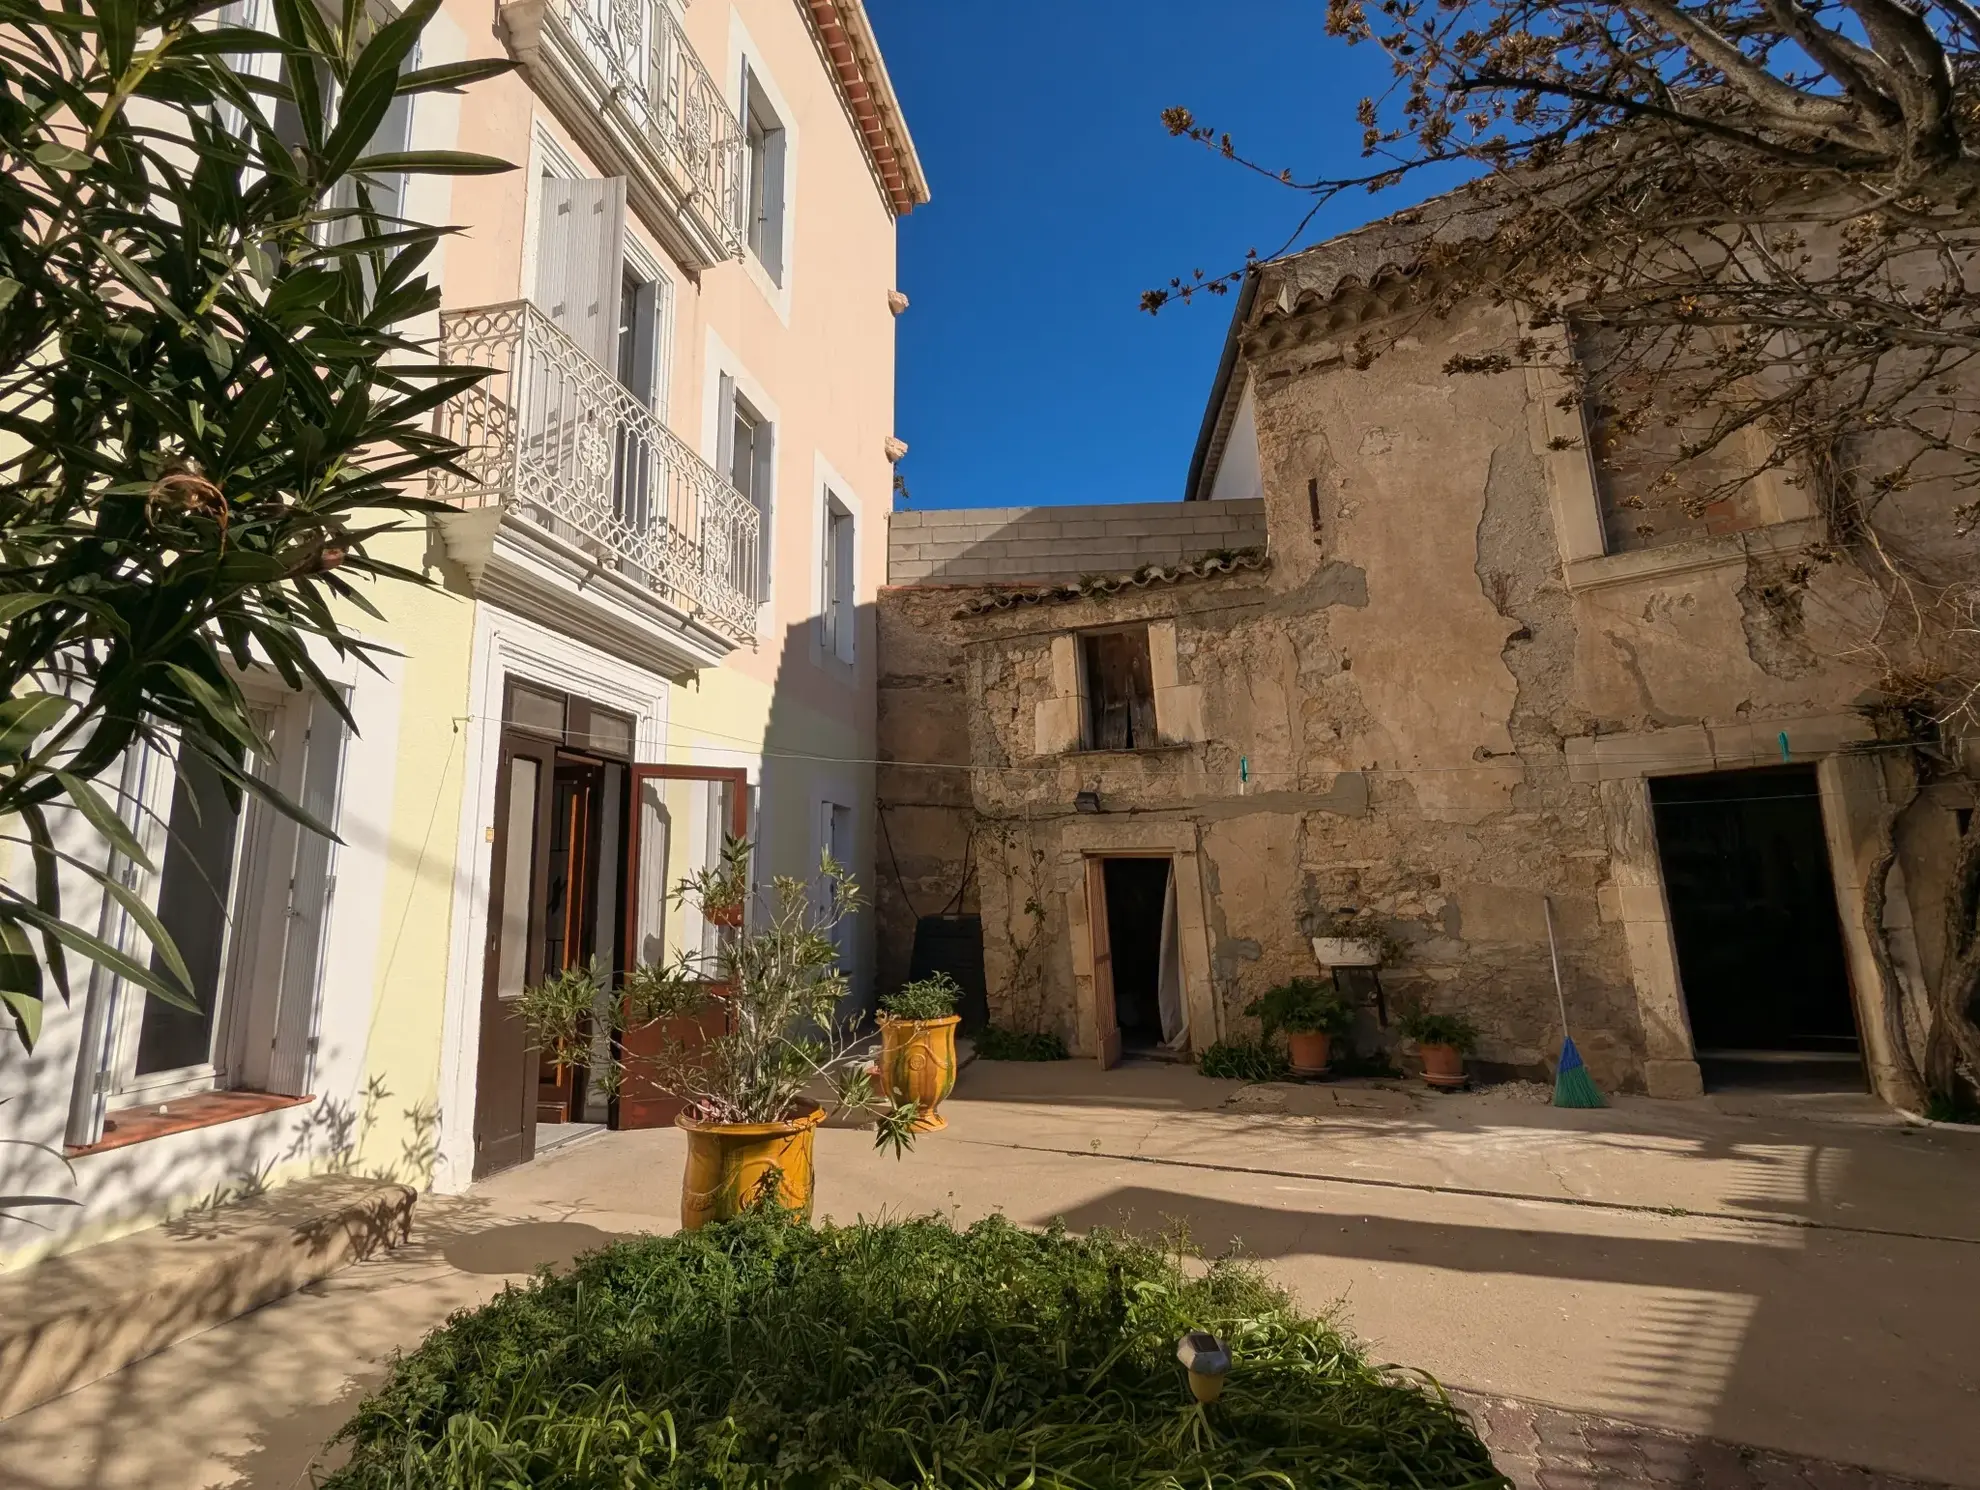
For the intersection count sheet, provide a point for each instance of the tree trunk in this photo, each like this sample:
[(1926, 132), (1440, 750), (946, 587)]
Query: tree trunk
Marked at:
[(1952, 1056), (1876, 895)]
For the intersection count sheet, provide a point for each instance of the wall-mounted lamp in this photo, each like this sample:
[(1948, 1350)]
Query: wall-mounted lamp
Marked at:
[(1087, 802)]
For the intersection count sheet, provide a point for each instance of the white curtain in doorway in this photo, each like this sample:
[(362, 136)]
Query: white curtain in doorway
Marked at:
[(1168, 984)]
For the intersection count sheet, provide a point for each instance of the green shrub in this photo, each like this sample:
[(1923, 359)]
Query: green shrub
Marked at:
[(1942, 1107), (993, 1044), (1305, 1006), (1438, 1029), (761, 1353), (933, 997), (1245, 1060)]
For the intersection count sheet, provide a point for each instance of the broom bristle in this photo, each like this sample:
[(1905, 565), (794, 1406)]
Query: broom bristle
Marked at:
[(1573, 1087)]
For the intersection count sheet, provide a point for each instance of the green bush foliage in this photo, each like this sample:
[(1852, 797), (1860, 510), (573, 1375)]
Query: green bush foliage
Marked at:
[(933, 997), (762, 1353), (1304, 1006), (1245, 1060), (994, 1044), (1438, 1029)]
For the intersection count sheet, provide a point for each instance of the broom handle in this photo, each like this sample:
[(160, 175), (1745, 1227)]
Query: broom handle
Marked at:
[(1554, 953)]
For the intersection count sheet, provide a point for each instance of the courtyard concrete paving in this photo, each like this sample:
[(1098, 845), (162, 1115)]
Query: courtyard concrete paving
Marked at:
[(1716, 1298)]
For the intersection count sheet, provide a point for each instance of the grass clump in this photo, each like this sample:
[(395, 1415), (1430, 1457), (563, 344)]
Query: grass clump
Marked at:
[(763, 1353), (994, 1044), (1245, 1060)]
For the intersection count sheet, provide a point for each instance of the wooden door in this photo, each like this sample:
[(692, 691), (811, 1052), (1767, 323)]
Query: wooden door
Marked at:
[(570, 915), (505, 1075), (1105, 1020), (656, 840)]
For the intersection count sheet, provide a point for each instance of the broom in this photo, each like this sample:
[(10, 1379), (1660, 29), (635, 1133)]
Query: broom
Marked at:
[(1573, 1087)]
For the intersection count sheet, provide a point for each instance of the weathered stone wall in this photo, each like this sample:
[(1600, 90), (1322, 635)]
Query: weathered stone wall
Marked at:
[(1412, 714)]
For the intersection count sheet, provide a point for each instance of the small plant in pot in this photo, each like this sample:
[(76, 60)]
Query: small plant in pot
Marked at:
[(752, 1090), (1443, 1040), (720, 891), (1311, 1011), (918, 1046)]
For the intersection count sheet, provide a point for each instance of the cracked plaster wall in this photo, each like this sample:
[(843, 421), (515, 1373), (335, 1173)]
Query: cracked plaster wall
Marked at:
[(1398, 685)]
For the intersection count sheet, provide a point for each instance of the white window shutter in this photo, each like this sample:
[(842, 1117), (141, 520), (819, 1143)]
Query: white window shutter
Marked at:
[(766, 500), (725, 426), (773, 206), (312, 888), (848, 617), (580, 258)]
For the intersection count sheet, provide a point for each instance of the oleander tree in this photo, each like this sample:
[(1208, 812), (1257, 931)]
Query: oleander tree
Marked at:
[(211, 409), (1742, 233)]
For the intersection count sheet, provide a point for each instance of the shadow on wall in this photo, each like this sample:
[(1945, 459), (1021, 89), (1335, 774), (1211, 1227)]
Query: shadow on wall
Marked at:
[(815, 791), (141, 1183)]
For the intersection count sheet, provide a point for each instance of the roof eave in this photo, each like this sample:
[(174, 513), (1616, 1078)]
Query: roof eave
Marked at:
[(845, 33), (1201, 476)]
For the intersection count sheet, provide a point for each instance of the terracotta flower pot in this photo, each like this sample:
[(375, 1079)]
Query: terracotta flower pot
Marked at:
[(918, 1064), (729, 1164), (723, 915), (1311, 1050), (1443, 1065)]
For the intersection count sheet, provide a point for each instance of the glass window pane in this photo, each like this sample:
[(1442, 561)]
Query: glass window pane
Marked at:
[(536, 709), (519, 858), (195, 887)]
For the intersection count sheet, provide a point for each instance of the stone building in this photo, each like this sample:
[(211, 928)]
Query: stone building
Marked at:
[(1407, 663)]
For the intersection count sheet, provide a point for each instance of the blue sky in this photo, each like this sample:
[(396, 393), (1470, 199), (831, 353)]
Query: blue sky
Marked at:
[(1027, 372)]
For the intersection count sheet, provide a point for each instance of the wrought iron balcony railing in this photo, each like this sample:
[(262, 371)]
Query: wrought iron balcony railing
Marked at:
[(638, 97), (564, 445)]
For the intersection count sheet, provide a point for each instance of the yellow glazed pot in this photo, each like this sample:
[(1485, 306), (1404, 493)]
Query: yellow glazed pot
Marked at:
[(918, 1064), (728, 1166)]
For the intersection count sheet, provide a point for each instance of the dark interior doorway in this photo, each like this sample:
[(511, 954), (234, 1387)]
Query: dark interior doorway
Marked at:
[(1136, 890), (1759, 942)]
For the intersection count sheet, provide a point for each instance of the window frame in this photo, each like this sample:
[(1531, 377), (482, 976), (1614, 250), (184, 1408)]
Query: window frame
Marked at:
[(838, 580), (252, 944), (766, 174)]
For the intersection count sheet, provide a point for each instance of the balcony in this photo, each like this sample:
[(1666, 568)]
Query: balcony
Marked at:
[(556, 443), (625, 82)]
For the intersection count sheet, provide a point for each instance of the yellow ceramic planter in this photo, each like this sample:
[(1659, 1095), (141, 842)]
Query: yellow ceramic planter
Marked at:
[(918, 1064), (728, 1166)]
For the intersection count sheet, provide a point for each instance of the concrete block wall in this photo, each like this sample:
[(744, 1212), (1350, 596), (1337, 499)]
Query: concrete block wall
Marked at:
[(1025, 545)]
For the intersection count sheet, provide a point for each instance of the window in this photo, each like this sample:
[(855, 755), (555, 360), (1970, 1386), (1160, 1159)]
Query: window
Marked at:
[(245, 894), (747, 457), (639, 335), (765, 150), (1639, 418), (835, 831), (1118, 682), (837, 614)]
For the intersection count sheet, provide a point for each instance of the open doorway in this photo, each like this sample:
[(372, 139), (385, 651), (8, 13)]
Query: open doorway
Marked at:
[(1759, 940), (1136, 964)]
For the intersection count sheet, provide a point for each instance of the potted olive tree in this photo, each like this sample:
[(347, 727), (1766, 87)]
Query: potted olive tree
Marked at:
[(1443, 1040), (1311, 1011), (756, 1082), (918, 1045)]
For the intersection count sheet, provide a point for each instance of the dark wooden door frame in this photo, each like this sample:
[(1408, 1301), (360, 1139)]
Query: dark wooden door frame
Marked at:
[(641, 1104), (498, 1041)]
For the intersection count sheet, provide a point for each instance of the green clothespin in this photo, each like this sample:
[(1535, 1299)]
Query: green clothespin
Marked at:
[(1244, 774), (1786, 755)]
